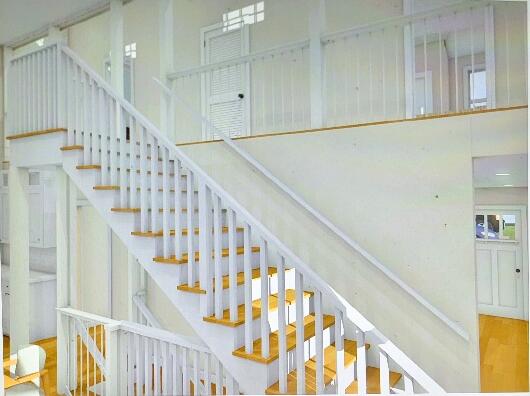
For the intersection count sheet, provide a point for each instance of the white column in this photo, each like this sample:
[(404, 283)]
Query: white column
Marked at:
[(116, 45), (409, 60), (166, 41), (317, 24), (489, 26), (63, 281), (18, 257)]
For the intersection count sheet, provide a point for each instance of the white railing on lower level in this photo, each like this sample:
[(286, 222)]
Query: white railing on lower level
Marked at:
[(109, 357)]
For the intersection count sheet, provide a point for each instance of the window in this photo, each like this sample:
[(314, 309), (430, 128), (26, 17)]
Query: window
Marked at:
[(248, 15), (40, 42), (476, 85), (498, 226), (130, 50)]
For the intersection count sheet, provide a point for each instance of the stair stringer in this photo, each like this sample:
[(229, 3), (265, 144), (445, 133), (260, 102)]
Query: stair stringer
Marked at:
[(252, 377)]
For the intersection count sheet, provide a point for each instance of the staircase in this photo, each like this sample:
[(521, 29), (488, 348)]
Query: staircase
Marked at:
[(275, 325)]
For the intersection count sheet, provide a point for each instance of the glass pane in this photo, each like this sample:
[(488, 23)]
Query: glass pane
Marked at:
[(479, 226), (493, 226), (478, 83), (508, 227)]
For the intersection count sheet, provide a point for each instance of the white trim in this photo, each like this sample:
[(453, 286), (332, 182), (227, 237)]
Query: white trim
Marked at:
[(489, 34)]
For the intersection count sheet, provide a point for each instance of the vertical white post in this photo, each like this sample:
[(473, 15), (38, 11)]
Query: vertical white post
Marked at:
[(319, 343), (19, 256), (409, 60), (166, 41), (489, 38), (339, 348), (111, 360), (384, 373), (282, 343), (116, 45), (62, 225), (205, 257), (247, 267), (300, 344), (9, 121), (264, 280), (317, 23)]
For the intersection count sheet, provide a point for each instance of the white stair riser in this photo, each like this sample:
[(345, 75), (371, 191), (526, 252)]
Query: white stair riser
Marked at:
[(183, 220)]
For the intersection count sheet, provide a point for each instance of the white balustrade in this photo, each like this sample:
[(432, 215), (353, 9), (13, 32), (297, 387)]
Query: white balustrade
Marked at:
[(149, 361)]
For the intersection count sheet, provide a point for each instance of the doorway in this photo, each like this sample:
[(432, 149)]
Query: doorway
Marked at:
[(225, 90), (501, 259)]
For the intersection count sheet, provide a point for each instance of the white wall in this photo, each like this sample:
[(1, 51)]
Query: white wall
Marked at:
[(402, 191)]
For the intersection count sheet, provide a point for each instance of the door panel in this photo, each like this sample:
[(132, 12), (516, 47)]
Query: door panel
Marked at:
[(506, 266), (484, 274)]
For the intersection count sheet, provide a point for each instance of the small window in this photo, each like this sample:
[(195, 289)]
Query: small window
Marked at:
[(130, 50), (477, 88), (248, 15), (480, 231), (508, 227)]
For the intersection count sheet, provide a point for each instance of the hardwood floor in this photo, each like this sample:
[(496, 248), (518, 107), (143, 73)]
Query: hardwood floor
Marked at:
[(503, 354)]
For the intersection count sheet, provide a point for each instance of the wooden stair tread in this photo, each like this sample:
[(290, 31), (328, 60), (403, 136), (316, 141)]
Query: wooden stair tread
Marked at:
[(290, 330), (34, 133), (137, 210), (330, 369), (290, 297), (151, 234), (240, 279), (86, 167), (184, 258), (116, 187), (372, 381), (72, 147)]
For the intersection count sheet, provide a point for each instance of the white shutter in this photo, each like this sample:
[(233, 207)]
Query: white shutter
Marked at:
[(225, 108)]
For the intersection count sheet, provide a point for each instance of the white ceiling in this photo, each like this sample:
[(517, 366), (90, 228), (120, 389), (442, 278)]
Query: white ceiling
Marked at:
[(486, 168), (19, 18)]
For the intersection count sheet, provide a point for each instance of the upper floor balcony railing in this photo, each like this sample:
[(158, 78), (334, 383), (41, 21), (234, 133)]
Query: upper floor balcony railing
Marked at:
[(465, 57)]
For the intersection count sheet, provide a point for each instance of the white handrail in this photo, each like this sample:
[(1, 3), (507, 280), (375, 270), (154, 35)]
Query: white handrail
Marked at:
[(146, 312), (321, 218), (340, 304)]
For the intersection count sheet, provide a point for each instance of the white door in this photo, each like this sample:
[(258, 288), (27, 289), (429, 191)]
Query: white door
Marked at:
[(423, 93), (501, 261), (225, 90)]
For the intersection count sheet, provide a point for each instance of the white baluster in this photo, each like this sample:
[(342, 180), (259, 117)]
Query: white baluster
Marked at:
[(207, 375), (77, 103), (218, 261), (130, 365), (383, 57), (155, 215), (85, 120), (300, 347), (156, 368), (144, 182), (361, 362), (247, 264), (185, 372), (95, 123), (282, 342), (113, 135), (218, 378), (319, 343), (232, 264), (189, 219), (178, 207), (457, 96), (339, 348), (165, 388), (425, 65), (409, 384), (133, 175), (384, 373), (205, 247), (264, 280), (148, 383), (166, 214), (120, 128), (177, 372), (139, 362), (104, 143), (440, 63), (196, 365)]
